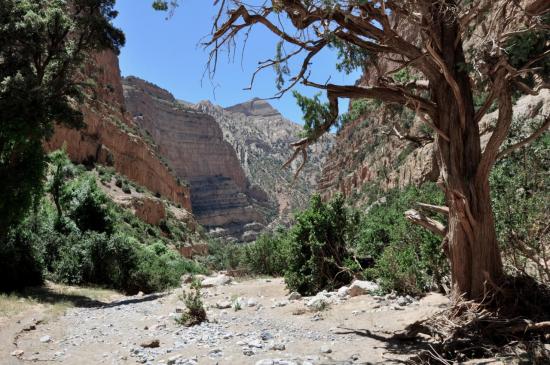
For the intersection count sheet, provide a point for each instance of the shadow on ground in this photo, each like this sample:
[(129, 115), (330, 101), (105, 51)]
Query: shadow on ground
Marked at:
[(46, 295)]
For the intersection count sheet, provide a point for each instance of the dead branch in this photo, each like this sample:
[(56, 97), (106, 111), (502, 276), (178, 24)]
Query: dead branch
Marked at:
[(430, 224), (434, 208)]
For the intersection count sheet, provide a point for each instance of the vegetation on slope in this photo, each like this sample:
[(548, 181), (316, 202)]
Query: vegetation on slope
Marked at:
[(76, 235)]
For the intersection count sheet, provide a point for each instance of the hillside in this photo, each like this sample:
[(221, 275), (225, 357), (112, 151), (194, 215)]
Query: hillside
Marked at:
[(222, 198), (261, 136), (110, 137)]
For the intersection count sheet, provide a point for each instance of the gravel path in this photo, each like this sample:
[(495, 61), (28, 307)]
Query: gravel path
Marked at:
[(269, 329)]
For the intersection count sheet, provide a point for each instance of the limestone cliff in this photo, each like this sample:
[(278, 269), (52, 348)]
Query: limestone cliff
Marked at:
[(368, 154), (222, 197), (111, 138), (261, 136)]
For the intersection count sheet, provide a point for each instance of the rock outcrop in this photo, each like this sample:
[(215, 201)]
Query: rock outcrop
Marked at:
[(367, 154), (222, 197), (111, 138), (261, 136)]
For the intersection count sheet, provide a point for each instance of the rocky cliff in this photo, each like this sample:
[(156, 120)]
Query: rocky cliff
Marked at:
[(193, 144), (369, 155), (261, 136), (111, 138)]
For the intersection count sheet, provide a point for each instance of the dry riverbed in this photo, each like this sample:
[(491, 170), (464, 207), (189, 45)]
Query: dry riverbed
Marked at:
[(269, 328)]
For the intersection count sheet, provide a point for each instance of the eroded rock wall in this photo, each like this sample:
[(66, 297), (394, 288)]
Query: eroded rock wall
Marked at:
[(111, 138), (192, 142)]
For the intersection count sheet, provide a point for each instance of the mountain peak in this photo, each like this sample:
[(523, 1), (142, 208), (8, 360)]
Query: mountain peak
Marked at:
[(256, 107)]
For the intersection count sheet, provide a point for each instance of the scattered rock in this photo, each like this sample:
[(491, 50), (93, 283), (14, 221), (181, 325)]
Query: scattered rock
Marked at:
[(151, 344), (45, 339), (219, 280), (248, 352), (251, 302), (362, 287), (318, 303), (325, 349), (295, 296), (17, 353), (266, 336), (277, 346), (224, 304), (343, 292)]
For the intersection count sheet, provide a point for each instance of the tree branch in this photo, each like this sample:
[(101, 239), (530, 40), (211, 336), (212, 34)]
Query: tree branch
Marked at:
[(544, 126), (430, 224)]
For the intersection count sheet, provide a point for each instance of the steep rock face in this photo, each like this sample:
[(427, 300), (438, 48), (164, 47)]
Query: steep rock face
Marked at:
[(193, 144), (110, 137), (366, 155), (261, 136)]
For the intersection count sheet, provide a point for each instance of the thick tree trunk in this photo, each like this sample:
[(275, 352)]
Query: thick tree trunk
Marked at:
[(474, 255), (476, 265)]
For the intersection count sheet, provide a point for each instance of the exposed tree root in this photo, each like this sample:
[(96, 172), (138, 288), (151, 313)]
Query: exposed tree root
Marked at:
[(513, 323)]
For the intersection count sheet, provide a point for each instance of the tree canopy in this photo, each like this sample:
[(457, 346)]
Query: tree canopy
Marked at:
[(43, 45)]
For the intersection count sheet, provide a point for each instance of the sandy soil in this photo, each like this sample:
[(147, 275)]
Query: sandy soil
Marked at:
[(266, 333)]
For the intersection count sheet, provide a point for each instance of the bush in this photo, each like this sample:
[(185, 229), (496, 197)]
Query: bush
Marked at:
[(224, 256), (195, 314), (268, 255), (77, 243), (406, 257), (317, 247), (521, 200), (21, 261)]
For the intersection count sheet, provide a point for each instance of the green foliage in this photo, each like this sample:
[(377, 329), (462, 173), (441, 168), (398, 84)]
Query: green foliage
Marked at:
[(195, 314), (317, 245), (224, 256), (315, 112), (526, 46), (268, 255), (358, 108), (42, 47), (92, 242), (521, 200), (350, 56), (407, 258)]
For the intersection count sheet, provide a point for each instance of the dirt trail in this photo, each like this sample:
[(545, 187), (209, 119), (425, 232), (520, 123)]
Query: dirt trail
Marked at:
[(272, 330)]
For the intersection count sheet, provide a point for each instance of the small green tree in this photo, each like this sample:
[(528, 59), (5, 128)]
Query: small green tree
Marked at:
[(317, 247), (43, 44)]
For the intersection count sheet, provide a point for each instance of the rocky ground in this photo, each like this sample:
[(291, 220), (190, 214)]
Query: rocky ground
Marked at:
[(270, 326)]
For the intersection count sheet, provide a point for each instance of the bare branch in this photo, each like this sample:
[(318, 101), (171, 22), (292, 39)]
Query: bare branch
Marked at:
[(544, 126), (430, 224)]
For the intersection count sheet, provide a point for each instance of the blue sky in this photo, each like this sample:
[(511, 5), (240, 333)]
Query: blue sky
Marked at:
[(167, 52)]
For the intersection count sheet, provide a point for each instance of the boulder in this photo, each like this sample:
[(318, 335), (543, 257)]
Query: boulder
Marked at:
[(151, 344), (219, 280), (295, 296), (343, 292), (318, 303), (360, 287)]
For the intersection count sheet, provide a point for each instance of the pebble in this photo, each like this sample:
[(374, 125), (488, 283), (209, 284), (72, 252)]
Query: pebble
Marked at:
[(326, 349), (17, 353), (45, 339)]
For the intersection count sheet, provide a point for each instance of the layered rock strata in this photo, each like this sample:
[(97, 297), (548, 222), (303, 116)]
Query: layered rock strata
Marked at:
[(111, 138), (261, 136), (222, 197)]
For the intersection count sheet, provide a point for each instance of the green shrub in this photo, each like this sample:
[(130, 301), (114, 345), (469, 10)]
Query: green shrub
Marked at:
[(21, 262), (317, 247), (268, 255), (407, 258), (85, 204), (521, 200), (195, 313), (224, 256), (88, 240)]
